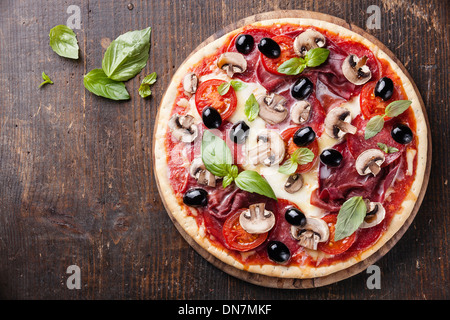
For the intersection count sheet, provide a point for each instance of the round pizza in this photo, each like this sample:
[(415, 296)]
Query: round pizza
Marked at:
[(290, 148)]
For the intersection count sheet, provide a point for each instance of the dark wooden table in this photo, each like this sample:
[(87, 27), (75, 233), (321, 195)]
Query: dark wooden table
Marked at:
[(76, 178)]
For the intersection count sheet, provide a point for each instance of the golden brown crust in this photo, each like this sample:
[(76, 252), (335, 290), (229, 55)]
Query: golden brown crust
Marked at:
[(180, 213)]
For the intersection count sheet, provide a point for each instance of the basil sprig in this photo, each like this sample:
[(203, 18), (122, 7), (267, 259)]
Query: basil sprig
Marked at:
[(313, 58), (225, 87), (144, 88), (299, 157), (218, 160), (251, 108), (386, 149), (46, 79), (350, 217), (64, 42), (376, 123), (127, 55)]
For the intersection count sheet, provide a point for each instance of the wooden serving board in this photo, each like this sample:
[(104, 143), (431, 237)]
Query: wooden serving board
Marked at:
[(291, 283)]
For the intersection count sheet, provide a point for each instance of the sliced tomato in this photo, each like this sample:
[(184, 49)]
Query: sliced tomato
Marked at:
[(291, 147), (239, 239), (287, 52), (207, 95), (331, 246)]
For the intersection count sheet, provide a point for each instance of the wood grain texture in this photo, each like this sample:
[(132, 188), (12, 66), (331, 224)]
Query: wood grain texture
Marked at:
[(76, 180)]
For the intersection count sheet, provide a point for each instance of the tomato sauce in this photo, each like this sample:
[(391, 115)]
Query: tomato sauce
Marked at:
[(178, 152)]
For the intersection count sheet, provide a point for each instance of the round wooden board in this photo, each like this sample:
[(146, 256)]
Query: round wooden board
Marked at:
[(288, 283)]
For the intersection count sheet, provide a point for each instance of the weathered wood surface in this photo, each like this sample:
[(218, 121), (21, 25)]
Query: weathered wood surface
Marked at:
[(76, 180)]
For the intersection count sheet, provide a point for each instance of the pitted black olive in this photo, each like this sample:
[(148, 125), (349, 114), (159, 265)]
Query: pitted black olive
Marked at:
[(278, 252), (384, 88), (211, 118), (302, 88), (244, 43), (269, 48), (401, 133), (304, 136), (239, 132), (196, 197), (295, 217), (331, 157)]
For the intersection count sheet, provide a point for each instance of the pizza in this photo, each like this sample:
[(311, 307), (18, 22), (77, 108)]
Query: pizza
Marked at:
[(290, 148)]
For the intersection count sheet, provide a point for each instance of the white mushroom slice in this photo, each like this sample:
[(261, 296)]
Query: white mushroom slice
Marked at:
[(190, 83), (370, 161), (231, 63), (294, 183), (270, 148), (256, 219), (337, 123), (355, 69), (198, 171), (308, 40), (314, 231), (183, 127), (375, 214), (300, 112), (272, 109)]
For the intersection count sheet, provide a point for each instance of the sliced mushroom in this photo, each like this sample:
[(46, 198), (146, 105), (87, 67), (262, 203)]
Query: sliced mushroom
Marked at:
[(231, 63), (198, 171), (308, 40), (190, 83), (269, 150), (337, 123), (355, 69), (293, 183), (314, 231), (375, 214), (370, 161), (256, 219), (272, 109), (184, 128), (300, 112)]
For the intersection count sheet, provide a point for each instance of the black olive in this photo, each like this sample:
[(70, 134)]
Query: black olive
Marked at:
[(239, 132), (211, 118), (244, 43), (295, 217), (196, 197), (302, 88), (304, 136), (278, 251), (401, 133), (384, 88), (269, 48), (331, 157)]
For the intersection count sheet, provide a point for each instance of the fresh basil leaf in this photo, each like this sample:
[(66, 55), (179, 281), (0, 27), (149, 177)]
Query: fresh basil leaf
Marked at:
[(350, 217), (99, 84), (288, 167), (64, 42), (227, 180), (316, 57), (216, 155), (386, 149), (224, 88), (144, 88), (46, 79), (237, 85), (302, 156), (251, 108), (396, 108), (127, 55), (292, 66), (373, 127), (234, 171), (251, 181)]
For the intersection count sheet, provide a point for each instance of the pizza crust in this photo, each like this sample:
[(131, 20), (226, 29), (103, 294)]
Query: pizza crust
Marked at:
[(181, 215)]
